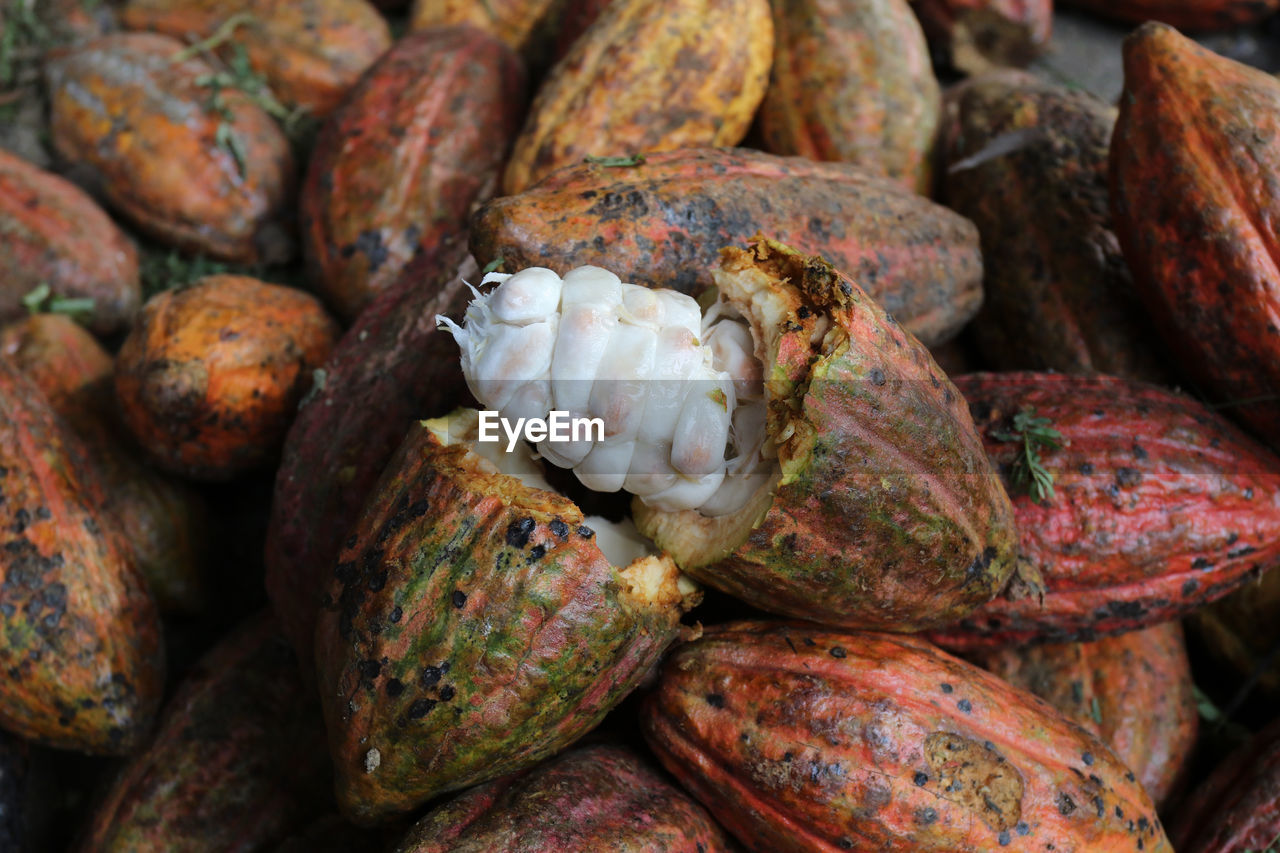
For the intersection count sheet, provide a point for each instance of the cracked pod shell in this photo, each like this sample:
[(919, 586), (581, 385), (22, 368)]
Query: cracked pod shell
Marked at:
[(472, 628), (804, 740), (886, 513)]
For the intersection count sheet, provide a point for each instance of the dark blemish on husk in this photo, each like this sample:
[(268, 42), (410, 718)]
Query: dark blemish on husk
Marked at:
[(715, 700), (586, 532), (1201, 563), (1066, 805), (921, 779), (926, 816), (1242, 551), (459, 599), (397, 613), (395, 687), (559, 529), (518, 532), (420, 708), (1087, 758), (447, 692), (536, 553), (965, 705), (1004, 838), (1190, 586), (838, 652), (946, 688)]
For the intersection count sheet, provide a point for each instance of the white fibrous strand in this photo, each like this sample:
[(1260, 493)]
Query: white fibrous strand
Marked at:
[(680, 395)]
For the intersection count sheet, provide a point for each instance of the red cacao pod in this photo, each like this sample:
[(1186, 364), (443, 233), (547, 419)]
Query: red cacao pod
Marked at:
[(1237, 808)]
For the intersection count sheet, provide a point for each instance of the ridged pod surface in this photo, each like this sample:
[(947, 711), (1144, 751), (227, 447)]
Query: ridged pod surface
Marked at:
[(79, 635), (1028, 164), (390, 367), (237, 762), (1160, 506), (800, 739), (852, 81), (915, 533), (421, 138), (309, 53), (979, 35), (473, 627), (595, 798), (1194, 169), (1133, 691), (52, 232), (663, 223), (163, 521), (202, 179), (210, 377), (1237, 808), (648, 75), (1183, 14)]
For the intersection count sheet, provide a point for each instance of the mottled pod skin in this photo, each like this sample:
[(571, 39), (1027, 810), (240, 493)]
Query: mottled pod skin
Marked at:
[(589, 799), (914, 533), (1183, 14), (13, 792), (800, 739), (1241, 630), (309, 53), (211, 375), (1237, 808), (525, 26), (1133, 691), (648, 75), (395, 174), (977, 35), (163, 521), (391, 367), (1028, 164), (1160, 506), (147, 131), (1196, 197), (663, 223), (473, 627), (238, 761), (852, 81), (79, 634), (52, 233)]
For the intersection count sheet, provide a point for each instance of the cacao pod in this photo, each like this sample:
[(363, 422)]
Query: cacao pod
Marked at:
[(1028, 164), (1159, 506), (210, 376), (648, 75), (1237, 808), (1196, 201), (852, 81), (390, 367), (162, 520), (474, 626), (309, 54), (974, 36), (800, 739), (879, 543), (80, 639), (525, 26), (396, 171), (237, 762), (662, 223), (1133, 691), (55, 235), (1183, 14), (594, 798), (199, 167)]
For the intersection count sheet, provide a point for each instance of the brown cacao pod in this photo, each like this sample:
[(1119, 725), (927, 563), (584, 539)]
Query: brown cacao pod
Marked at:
[(1159, 506), (390, 368), (846, 383), (589, 799), (211, 375), (162, 520), (1237, 808), (310, 54), (55, 235), (237, 762), (525, 26), (852, 81), (975, 36), (474, 627), (1133, 691), (80, 639), (800, 739), (648, 75), (663, 222), (1242, 631), (1196, 204), (1183, 14), (198, 167), (396, 171), (1028, 164)]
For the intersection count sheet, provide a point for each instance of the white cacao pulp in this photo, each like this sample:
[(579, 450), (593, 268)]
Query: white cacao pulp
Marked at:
[(680, 395)]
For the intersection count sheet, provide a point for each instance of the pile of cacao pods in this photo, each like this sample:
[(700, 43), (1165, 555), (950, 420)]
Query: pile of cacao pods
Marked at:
[(996, 367)]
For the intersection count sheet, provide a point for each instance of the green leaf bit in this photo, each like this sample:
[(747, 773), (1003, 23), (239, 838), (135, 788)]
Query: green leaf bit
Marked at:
[(1035, 435), (615, 162), (42, 300)]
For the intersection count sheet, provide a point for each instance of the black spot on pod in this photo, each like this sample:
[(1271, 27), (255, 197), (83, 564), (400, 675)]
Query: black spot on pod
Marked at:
[(965, 705), (518, 532), (559, 529), (921, 779), (838, 652), (715, 700), (459, 599), (420, 708)]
